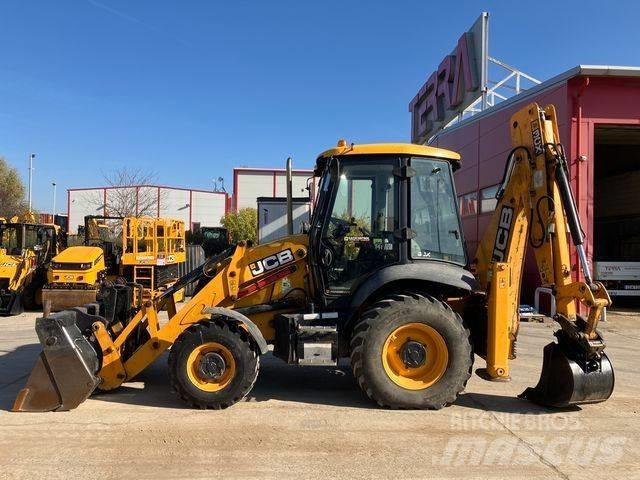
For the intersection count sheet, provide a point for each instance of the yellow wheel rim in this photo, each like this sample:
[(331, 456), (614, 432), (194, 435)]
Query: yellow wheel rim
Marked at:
[(431, 366), (199, 355)]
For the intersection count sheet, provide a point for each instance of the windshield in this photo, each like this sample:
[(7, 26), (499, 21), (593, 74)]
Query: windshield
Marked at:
[(11, 237), (433, 213)]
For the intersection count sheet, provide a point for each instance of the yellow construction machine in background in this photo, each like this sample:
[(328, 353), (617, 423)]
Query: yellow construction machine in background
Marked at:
[(26, 248), (379, 276), (143, 251)]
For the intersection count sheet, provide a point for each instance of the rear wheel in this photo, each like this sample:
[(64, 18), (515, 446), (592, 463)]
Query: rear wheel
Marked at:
[(411, 351), (213, 365)]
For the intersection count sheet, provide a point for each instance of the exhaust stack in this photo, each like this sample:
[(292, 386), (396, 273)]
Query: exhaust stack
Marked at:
[(289, 197)]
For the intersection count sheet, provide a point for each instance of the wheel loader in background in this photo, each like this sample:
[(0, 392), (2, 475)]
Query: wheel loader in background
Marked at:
[(378, 276), (144, 251), (26, 248)]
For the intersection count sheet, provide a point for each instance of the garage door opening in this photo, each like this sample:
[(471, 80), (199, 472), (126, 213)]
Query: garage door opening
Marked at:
[(616, 203)]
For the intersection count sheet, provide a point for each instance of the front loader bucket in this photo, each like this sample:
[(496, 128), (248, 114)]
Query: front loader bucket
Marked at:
[(567, 380), (62, 298), (65, 373)]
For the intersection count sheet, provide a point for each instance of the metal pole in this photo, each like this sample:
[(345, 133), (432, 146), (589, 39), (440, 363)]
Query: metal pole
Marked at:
[(31, 157), (289, 197), (484, 61), (54, 201)]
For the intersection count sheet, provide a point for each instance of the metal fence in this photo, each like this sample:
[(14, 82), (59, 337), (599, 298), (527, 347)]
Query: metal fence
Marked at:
[(195, 258)]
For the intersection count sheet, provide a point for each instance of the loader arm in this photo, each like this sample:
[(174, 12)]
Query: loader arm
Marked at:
[(103, 358), (536, 207)]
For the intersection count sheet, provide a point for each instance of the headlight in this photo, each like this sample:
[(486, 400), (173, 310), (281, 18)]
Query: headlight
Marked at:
[(85, 266), (56, 266)]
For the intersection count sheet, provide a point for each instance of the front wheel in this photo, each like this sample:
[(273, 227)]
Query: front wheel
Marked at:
[(213, 365), (411, 351)]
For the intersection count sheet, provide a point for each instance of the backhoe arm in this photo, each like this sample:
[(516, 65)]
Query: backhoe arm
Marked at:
[(536, 207)]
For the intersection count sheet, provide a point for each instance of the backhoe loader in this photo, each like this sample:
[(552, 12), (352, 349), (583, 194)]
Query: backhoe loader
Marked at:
[(26, 248), (379, 276)]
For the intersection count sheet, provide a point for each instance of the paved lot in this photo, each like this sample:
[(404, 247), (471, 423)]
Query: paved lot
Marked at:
[(314, 422)]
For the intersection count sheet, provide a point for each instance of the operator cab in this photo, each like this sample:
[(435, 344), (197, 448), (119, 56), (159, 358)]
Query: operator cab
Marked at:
[(382, 205)]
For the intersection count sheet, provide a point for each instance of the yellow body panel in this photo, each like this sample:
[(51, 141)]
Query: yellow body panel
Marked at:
[(65, 267), (16, 268)]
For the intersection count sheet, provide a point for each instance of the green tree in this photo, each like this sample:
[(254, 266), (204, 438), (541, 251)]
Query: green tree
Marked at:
[(241, 225), (12, 191)]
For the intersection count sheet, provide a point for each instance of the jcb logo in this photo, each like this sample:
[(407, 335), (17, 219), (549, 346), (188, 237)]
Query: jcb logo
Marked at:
[(271, 262), (502, 238), (537, 138)]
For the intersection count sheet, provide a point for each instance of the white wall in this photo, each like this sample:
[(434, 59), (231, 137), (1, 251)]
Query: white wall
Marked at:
[(299, 183), (83, 203), (175, 204), (206, 208), (254, 184), (272, 221)]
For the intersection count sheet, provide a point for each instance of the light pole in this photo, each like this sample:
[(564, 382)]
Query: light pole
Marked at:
[(31, 157), (54, 201)]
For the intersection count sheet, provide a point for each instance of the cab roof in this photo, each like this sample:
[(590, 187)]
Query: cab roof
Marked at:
[(389, 148), (78, 253)]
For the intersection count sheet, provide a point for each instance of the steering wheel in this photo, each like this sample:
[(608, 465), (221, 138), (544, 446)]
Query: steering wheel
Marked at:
[(339, 227)]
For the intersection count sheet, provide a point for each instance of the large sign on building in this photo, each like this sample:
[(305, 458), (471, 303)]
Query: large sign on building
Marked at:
[(459, 80)]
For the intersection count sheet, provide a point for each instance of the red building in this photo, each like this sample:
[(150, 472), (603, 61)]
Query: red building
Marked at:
[(599, 120)]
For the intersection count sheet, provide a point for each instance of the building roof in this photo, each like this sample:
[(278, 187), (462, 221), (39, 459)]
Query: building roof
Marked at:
[(145, 185), (580, 70)]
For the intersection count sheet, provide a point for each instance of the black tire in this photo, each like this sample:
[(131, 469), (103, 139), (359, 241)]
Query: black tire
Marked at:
[(383, 318), (29, 297), (238, 343)]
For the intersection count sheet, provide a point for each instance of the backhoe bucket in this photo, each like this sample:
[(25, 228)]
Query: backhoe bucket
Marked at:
[(65, 373), (566, 379)]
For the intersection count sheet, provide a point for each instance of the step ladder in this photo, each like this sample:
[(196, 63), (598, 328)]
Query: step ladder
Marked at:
[(144, 275)]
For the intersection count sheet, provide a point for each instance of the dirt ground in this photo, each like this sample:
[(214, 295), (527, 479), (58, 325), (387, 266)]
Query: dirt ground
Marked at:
[(313, 422)]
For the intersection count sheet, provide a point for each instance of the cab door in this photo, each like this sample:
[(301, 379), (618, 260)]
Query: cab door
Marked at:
[(358, 234)]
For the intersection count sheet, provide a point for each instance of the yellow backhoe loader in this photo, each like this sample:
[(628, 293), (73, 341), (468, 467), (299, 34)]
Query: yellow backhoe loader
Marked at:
[(378, 276), (26, 248), (145, 251)]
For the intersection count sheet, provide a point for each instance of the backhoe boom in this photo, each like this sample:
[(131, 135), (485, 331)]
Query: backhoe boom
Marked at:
[(535, 206)]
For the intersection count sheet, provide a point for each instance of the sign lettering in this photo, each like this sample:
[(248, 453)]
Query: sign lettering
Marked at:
[(272, 261), (452, 87), (502, 236)]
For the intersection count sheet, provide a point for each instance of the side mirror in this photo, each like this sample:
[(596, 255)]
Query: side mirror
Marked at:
[(37, 248), (305, 227)]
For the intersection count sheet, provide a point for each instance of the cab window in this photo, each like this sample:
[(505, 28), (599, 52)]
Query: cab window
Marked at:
[(433, 213)]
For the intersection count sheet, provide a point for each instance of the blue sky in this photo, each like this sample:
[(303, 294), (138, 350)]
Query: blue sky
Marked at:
[(190, 89)]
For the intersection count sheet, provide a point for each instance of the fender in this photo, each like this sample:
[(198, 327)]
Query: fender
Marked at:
[(440, 273), (252, 328)]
